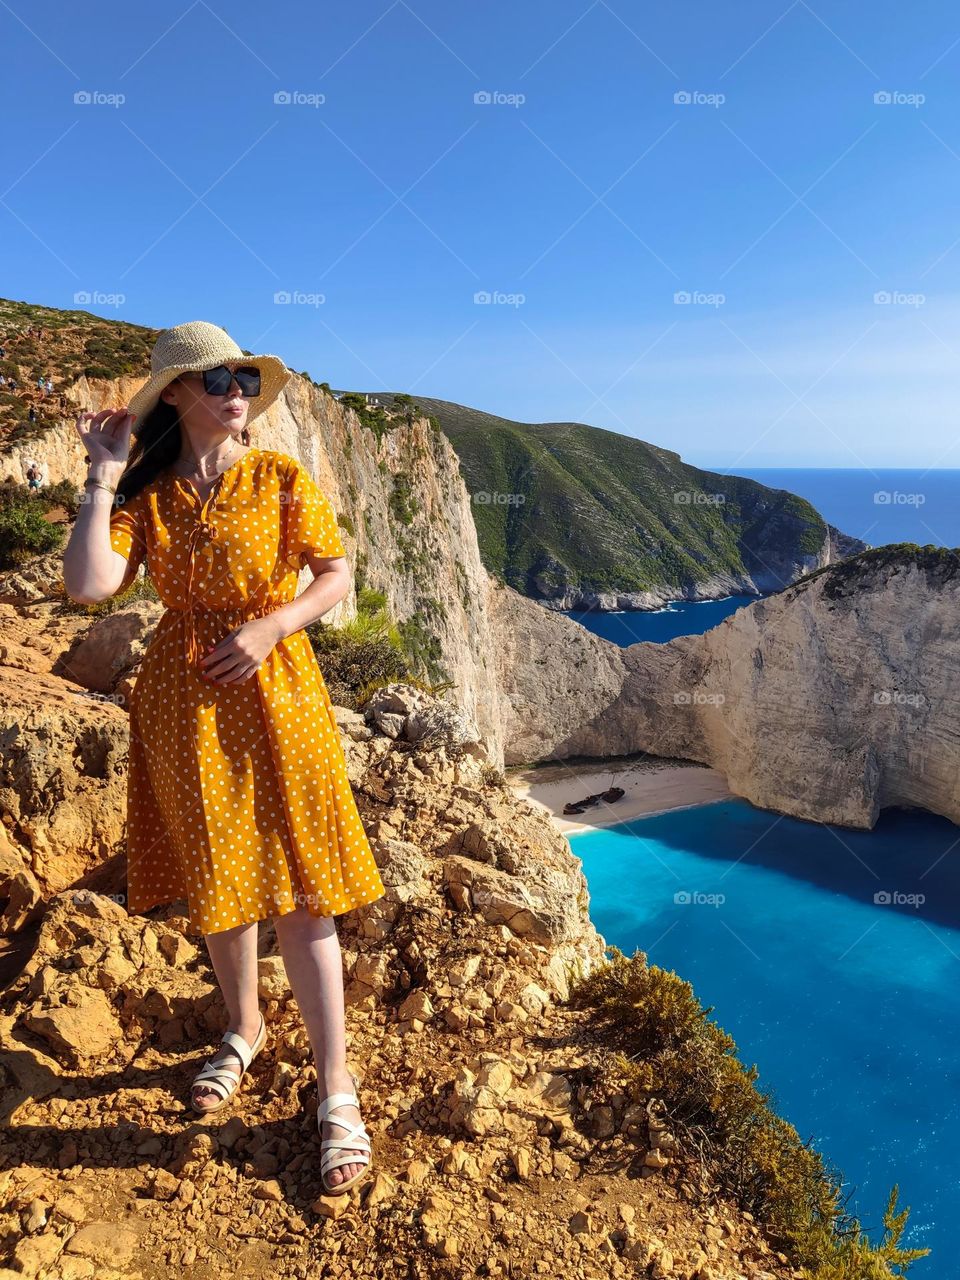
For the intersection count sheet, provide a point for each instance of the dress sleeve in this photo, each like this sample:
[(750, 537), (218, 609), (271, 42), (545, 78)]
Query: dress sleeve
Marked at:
[(128, 535), (311, 522)]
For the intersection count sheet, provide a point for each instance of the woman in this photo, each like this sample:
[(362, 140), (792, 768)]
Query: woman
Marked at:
[(238, 799)]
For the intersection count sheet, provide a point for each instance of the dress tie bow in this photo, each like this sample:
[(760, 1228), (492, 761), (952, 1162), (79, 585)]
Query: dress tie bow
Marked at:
[(203, 529)]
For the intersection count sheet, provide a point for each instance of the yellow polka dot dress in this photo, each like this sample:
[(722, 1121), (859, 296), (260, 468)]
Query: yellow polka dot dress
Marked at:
[(238, 799)]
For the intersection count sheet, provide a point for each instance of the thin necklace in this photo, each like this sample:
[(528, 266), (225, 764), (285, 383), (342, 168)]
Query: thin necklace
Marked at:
[(199, 473)]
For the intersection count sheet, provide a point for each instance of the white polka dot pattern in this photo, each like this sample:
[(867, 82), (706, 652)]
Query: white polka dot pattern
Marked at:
[(238, 799)]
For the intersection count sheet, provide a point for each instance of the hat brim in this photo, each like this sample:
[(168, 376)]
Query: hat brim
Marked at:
[(274, 376)]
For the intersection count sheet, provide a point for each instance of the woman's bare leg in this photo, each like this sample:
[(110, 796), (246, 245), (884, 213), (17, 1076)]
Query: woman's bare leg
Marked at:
[(310, 948), (233, 954)]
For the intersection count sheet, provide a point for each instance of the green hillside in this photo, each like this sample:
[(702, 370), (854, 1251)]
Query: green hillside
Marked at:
[(564, 506)]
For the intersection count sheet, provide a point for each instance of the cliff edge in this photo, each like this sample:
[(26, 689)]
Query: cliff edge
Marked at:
[(829, 701)]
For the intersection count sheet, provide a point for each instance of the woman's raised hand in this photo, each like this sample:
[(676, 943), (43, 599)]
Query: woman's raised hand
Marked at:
[(106, 435)]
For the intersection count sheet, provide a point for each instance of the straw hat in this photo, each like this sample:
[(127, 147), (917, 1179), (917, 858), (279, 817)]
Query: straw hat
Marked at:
[(200, 345)]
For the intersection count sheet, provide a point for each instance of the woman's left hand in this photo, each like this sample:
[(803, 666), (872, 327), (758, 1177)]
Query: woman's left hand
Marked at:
[(237, 656)]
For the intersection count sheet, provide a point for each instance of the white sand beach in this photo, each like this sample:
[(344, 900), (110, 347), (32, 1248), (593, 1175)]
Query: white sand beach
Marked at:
[(649, 787)]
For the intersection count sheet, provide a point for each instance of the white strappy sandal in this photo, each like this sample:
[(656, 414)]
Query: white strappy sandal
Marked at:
[(354, 1144), (214, 1075)]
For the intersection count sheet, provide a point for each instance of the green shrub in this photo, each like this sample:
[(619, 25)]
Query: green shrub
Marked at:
[(13, 406), (23, 530), (407, 406), (424, 652), (370, 601), (62, 494), (354, 400), (141, 588), (403, 505), (362, 655), (374, 418), (666, 1046)]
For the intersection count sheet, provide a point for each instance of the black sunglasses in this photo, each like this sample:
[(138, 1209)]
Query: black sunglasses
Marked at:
[(218, 381)]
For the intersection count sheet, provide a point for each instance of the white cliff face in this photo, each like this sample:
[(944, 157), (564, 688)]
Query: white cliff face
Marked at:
[(428, 569), (829, 701)]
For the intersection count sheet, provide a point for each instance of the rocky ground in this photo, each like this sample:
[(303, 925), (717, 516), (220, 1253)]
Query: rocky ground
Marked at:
[(505, 1144)]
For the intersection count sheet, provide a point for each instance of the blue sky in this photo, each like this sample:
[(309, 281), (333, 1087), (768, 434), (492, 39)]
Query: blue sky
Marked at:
[(781, 198)]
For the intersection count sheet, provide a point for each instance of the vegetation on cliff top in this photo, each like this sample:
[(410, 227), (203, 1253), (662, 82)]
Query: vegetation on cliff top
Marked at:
[(74, 343), (858, 572), (667, 1048), (70, 345)]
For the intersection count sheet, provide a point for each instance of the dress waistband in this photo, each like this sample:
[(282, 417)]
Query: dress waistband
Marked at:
[(236, 614)]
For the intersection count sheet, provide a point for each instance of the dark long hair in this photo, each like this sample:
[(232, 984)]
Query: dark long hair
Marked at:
[(156, 446)]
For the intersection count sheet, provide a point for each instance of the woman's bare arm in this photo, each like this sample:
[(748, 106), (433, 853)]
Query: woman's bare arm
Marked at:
[(331, 582), (92, 570)]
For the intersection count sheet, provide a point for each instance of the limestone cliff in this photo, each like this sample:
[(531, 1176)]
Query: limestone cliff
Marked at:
[(829, 701)]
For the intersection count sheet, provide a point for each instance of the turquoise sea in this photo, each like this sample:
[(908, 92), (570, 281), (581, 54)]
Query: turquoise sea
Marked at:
[(833, 959)]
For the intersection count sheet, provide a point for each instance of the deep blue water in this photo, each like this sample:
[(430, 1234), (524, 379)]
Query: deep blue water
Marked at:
[(849, 1007), (879, 506), (678, 619)]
